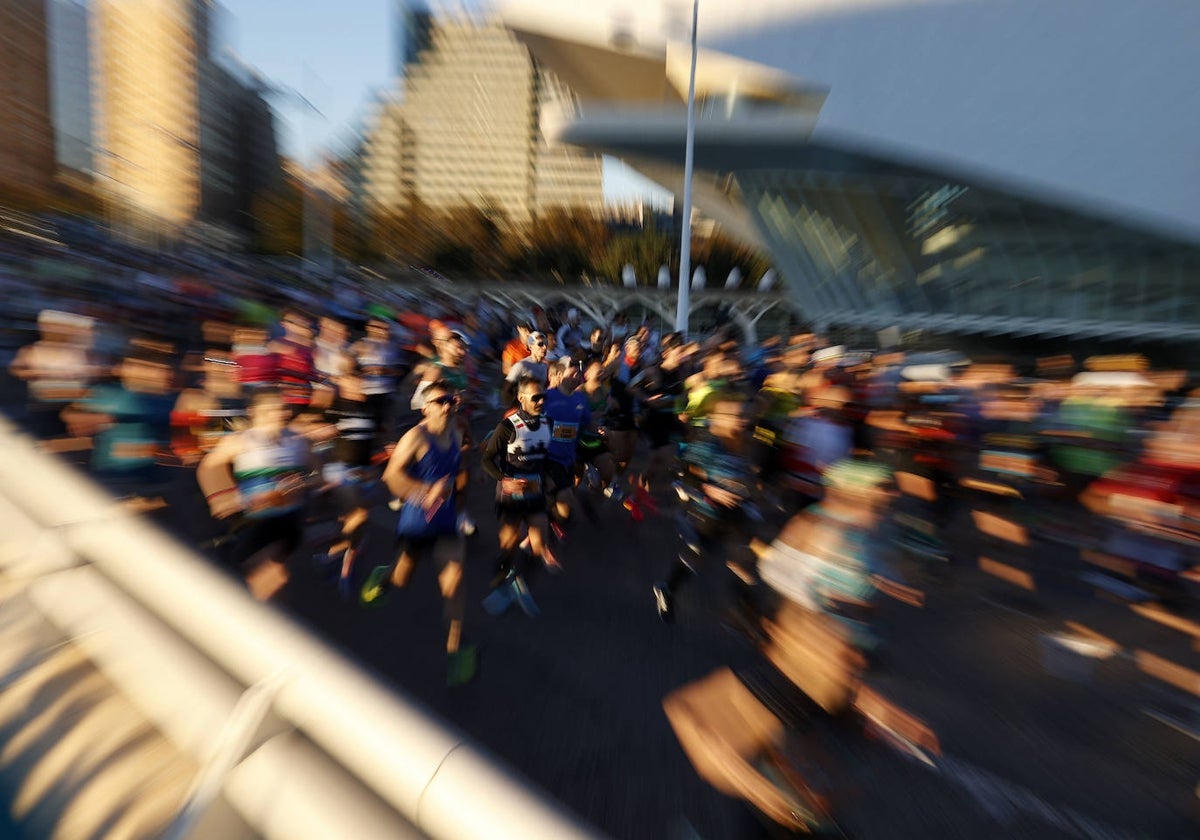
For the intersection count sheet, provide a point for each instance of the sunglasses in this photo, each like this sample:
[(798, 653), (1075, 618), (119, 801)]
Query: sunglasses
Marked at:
[(446, 399), (537, 397), (539, 344)]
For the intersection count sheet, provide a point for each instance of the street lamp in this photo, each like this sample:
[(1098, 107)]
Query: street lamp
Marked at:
[(685, 246)]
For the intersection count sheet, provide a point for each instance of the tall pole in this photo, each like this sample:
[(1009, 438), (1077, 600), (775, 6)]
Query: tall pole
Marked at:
[(684, 302)]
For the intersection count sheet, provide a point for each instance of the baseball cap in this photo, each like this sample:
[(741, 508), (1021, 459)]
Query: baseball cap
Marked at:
[(461, 336), (535, 337)]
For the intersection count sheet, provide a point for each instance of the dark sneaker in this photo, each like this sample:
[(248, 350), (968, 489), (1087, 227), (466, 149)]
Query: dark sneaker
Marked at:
[(326, 566), (664, 603), (504, 572), (461, 666), (376, 586)]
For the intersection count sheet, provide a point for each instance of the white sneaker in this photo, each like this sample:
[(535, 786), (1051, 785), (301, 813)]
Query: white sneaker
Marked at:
[(466, 525)]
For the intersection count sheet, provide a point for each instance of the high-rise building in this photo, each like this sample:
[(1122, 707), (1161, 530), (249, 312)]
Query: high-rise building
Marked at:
[(182, 135), (414, 28), (70, 84), (147, 125), (27, 138), (465, 130)]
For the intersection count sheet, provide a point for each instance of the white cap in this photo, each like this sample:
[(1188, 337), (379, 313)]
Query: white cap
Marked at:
[(828, 354)]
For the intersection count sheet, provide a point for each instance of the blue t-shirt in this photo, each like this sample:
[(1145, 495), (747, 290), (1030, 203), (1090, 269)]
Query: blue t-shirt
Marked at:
[(570, 414), (141, 427)]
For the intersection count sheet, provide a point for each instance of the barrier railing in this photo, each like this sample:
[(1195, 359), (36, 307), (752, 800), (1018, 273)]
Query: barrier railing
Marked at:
[(283, 737)]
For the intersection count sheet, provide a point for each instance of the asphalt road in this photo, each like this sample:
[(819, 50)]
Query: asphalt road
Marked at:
[(573, 697)]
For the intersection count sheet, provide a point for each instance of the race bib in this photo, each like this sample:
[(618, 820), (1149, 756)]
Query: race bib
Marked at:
[(565, 432)]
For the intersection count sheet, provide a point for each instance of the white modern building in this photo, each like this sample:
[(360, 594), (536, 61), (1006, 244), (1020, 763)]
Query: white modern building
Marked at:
[(1007, 168)]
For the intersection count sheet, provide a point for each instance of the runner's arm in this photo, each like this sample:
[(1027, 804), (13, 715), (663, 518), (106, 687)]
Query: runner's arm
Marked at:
[(214, 474), (395, 474), (496, 444)]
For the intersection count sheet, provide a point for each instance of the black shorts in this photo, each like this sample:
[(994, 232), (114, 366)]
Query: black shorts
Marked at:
[(514, 513), (420, 546), (253, 535), (661, 428), (380, 406), (559, 477)]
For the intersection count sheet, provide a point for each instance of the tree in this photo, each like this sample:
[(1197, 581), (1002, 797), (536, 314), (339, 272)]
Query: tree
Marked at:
[(720, 254), (646, 250), (567, 241)]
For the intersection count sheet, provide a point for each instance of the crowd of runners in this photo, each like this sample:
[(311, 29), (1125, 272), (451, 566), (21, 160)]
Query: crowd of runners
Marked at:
[(813, 479)]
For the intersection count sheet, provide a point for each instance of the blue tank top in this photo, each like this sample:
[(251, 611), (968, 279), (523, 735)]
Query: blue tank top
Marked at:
[(433, 466)]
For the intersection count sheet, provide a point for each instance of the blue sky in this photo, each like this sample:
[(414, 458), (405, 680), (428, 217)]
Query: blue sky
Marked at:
[(336, 54), (333, 56)]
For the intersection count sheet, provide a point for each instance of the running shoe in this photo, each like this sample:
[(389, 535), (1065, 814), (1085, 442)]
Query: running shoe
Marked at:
[(500, 599), (345, 582), (551, 562), (664, 603), (376, 586), (461, 666), (523, 597), (635, 509), (466, 525), (645, 501), (504, 572), (591, 476), (326, 565)]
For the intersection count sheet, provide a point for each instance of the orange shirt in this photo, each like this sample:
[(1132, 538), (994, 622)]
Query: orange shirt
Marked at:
[(514, 351)]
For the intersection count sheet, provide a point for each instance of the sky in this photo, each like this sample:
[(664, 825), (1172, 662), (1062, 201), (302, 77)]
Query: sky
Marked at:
[(337, 55)]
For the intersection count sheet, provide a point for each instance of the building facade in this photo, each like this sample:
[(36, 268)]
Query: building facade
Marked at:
[(182, 137), (465, 130), (147, 121), (27, 150), (1011, 169)]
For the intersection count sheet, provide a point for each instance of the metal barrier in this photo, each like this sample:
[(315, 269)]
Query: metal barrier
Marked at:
[(260, 729)]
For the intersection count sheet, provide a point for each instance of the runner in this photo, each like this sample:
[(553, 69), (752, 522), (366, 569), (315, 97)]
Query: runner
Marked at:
[(515, 456), (659, 387), (534, 366), (129, 424), (517, 348), (449, 367), (569, 414), (424, 470), (203, 415), (296, 371), (349, 474), (261, 475), (379, 360), (570, 334), (718, 515)]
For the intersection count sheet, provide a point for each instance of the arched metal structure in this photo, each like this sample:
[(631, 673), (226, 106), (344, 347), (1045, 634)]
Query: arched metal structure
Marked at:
[(600, 304)]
